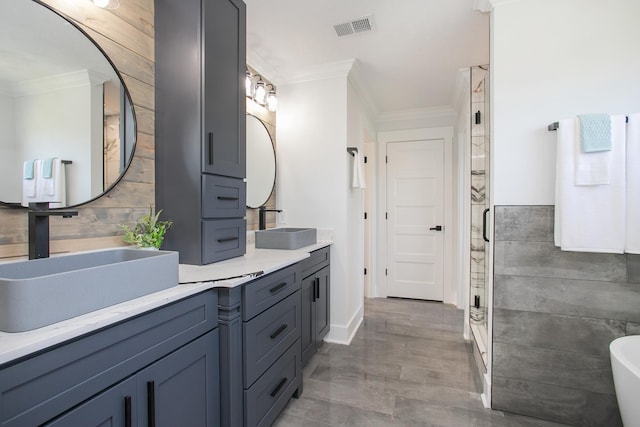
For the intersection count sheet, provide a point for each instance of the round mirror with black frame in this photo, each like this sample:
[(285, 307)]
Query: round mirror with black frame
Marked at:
[(261, 163), (60, 97)]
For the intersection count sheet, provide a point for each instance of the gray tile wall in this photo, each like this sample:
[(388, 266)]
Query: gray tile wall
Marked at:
[(554, 315)]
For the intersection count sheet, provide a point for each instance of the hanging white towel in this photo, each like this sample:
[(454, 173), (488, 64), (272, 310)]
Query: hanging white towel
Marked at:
[(633, 184), (30, 169), (592, 168), (52, 189), (358, 178), (590, 218)]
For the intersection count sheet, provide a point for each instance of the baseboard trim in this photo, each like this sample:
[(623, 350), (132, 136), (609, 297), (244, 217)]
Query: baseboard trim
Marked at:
[(343, 335)]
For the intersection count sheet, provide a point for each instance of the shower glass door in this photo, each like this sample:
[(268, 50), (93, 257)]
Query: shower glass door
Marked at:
[(480, 203)]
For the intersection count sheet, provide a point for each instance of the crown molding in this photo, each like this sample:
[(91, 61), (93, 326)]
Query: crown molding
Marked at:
[(443, 115), (325, 71), (58, 82), (358, 83)]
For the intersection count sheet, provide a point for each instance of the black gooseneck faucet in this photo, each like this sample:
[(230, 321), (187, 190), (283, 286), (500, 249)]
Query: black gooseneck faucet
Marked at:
[(39, 214), (262, 222)]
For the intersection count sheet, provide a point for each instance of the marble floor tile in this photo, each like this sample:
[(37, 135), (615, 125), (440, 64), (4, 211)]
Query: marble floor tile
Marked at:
[(408, 365)]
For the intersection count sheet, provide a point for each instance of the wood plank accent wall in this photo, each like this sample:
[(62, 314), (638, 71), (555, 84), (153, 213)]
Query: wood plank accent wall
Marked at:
[(127, 36)]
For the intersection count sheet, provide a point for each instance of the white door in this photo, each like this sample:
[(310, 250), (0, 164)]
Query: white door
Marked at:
[(415, 211)]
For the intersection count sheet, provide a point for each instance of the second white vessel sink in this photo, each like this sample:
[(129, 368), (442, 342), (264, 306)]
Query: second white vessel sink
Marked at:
[(39, 292)]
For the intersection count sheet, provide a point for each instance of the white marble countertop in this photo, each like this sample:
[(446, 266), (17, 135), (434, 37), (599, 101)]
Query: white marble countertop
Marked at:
[(199, 278)]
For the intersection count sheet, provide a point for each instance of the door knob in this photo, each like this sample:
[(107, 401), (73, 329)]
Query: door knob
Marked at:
[(436, 228)]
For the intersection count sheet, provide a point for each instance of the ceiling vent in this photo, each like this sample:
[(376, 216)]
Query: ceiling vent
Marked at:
[(355, 26)]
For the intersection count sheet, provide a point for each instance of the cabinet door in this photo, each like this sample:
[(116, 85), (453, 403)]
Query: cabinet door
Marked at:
[(112, 408), (224, 124), (322, 317), (182, 389), (306, 315)]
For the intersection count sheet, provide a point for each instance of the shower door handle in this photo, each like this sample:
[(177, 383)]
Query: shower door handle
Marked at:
[(484, 225)]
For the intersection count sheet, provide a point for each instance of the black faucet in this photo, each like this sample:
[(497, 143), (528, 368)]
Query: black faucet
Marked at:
[(39, 214), (262, 222)]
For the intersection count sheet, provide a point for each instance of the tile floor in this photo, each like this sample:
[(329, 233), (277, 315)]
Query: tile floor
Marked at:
[(408, 365)]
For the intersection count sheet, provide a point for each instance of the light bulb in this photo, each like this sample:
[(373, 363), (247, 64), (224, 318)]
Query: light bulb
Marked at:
[(272, 101), (248, 84), (260, 92)]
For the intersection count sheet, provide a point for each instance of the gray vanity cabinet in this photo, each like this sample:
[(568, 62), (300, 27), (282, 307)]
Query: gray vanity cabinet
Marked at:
[(163, 363), (171, 392), (262, 370), (200, 157), (315, 294)]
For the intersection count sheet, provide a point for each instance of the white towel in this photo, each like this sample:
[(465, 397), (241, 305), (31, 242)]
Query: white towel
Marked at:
[(633, 184), (592, 168), (590, 218), (29, 185), (52, 189), (358, 178)]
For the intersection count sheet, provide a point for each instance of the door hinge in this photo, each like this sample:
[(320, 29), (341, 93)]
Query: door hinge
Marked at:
[(365, 271), (386, 272), (365, 159), (365, 215), (386, 215), (386, 159)]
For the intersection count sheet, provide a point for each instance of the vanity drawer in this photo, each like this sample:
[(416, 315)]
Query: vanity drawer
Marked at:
[(268, 335), (317, 260), (39, 388), (266, 291), (223, 197), (223, 239), (271, 393)]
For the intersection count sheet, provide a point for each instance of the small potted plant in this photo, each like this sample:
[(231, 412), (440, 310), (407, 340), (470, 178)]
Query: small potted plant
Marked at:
[(148, 232)]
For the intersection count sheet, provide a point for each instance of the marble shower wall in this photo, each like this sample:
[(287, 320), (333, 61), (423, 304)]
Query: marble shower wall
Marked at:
[(554, 315)]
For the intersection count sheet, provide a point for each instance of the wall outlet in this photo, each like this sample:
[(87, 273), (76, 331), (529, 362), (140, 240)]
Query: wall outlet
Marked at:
[(282, 217)]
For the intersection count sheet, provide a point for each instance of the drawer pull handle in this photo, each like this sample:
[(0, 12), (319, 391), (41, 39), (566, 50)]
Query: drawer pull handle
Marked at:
[(151, 404), (277, 288), (279, 331), (228, 239), (278, 387), (127, 411), (210, 148), (318, 288), (227, 198)]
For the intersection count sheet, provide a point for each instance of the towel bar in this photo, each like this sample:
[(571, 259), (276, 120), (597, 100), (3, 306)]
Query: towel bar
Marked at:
[(555, 125)]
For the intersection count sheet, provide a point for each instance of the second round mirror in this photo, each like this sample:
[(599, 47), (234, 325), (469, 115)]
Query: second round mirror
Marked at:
[(261, 163)]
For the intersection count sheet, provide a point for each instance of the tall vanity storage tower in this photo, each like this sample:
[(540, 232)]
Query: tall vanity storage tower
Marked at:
[(200, 64)]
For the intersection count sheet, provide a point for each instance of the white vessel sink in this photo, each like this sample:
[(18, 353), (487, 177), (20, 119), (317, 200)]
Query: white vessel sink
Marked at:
[(285, 238), (40, 292)]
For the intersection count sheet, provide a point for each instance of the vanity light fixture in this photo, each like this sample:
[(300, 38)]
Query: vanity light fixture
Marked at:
[(260, 92), (107, 4)]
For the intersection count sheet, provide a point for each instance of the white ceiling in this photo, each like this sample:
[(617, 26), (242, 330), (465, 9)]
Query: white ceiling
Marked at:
[(409, 61)]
